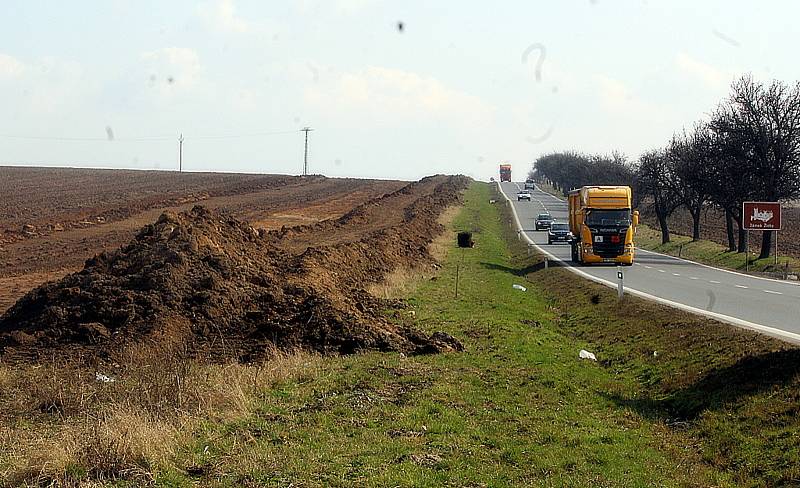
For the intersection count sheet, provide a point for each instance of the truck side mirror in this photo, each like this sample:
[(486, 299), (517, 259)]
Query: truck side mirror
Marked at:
[(635, 218)]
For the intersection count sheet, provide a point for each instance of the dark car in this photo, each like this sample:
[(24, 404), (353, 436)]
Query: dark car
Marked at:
[(543, 221), (559, 232)]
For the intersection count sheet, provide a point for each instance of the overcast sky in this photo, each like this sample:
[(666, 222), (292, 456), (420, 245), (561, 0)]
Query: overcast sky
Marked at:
[(463, 86)]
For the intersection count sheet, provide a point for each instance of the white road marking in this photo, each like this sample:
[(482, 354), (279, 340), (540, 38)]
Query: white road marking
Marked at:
[(741, 286), (638, 264), (773, 292), (713, 281), (661, 271), (648, 267), (676, 274), (694, 278), (790, 336)]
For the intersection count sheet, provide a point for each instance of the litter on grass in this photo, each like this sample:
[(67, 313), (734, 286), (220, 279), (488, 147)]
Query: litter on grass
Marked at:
[(520, 287), (103, 378), (584, 354)]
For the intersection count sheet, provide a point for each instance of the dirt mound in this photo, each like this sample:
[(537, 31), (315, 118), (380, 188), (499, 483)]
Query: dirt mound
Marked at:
[(206, 282)]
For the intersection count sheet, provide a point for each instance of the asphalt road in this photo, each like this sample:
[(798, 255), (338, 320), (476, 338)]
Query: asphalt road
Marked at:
[(726, 294)]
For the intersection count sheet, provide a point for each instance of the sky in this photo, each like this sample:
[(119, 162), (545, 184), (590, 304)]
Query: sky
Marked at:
[(461, 87)]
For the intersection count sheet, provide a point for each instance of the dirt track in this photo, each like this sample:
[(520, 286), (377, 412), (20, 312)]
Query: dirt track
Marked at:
[(203, 280), (52, 220)]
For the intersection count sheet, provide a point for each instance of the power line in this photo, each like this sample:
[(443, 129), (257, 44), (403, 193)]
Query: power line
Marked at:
[(106, 139), (234, 136), (145, 138)]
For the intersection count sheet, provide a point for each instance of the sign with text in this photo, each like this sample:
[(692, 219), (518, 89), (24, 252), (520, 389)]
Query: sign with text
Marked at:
[(761, 215)]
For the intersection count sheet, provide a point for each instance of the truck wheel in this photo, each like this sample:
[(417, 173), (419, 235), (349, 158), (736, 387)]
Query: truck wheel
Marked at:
[(574, 253)]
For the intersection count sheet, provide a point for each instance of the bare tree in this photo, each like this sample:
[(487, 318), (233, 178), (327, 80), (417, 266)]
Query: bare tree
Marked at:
[(759, 131), (656, 179), (568, 170), (691, 157)]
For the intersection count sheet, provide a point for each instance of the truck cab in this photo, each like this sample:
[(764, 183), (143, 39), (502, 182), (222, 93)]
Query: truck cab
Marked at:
[(603, 225)]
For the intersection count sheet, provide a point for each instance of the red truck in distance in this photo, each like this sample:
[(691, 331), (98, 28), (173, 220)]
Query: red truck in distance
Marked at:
[(505, 172)]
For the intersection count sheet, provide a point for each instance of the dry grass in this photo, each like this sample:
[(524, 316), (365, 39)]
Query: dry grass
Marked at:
[(61, 426), (402, 281)]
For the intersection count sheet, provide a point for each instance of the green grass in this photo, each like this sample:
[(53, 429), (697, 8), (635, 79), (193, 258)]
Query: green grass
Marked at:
[(518, 408), (673, 400)]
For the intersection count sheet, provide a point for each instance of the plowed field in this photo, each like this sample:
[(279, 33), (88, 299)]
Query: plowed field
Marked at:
[(219, 270), (53, 220)]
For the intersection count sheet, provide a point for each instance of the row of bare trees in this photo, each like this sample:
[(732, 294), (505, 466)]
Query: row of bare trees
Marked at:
[(748, 149)]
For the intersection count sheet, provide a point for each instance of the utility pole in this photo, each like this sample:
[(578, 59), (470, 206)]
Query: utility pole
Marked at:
[(305, 154), (180, 154)]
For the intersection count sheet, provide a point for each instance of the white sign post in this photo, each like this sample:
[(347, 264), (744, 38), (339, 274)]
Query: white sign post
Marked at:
[(620, 289)]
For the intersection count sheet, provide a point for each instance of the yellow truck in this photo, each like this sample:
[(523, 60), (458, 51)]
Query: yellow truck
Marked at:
[(602, 225)]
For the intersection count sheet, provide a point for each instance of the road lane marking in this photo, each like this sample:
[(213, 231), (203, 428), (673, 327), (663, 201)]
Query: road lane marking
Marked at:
[(676, 274), (688, 260), (661, 271), (694, 278), (741, 286), (648, 267), (713, 281), (773, 292), (773, 331)]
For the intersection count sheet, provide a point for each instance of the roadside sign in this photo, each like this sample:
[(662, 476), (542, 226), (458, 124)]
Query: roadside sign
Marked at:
[(761, 215)]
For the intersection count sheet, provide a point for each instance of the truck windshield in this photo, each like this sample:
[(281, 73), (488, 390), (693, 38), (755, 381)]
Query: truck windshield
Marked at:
[(608, 217)]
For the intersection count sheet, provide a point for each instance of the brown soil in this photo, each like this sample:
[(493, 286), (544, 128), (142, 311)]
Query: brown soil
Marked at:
[(71, 214), (205, 282)]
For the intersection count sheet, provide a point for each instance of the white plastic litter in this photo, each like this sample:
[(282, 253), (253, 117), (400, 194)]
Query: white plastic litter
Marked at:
[(520, 287), (655, 354), (103, 378), (584, 354)]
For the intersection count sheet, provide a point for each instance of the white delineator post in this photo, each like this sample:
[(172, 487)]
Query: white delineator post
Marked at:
[(620, 288)]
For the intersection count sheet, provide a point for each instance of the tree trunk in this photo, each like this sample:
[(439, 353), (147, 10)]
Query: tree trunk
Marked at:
[(662, 221), (766, 244), (695, 224), (729, 231), (742, 237)]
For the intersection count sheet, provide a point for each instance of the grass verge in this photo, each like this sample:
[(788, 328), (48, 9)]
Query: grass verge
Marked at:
[(710, 252), (673, 400)]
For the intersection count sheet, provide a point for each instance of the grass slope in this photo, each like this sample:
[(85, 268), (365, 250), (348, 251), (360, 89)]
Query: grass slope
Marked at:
[(517, 409), (673, 400)]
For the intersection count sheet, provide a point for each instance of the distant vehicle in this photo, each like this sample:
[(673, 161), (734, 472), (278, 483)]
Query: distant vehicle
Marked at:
[(505, 172), (559, 232), (602, 224), (543, 221), (529, 185), (524, 195)]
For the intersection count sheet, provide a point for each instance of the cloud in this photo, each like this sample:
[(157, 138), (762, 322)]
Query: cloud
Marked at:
[(388, 95), (347, 7), (10, 67), (221, 14), (712, 77), (617, 99)]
